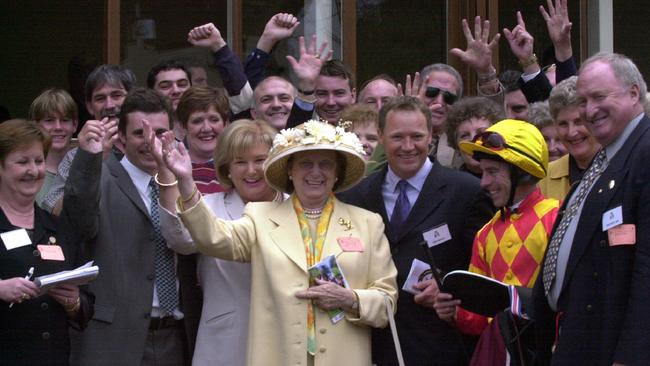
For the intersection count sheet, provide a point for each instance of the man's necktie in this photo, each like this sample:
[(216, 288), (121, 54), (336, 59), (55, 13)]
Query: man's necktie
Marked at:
[(164, 260), (402, 207), (550, 264)]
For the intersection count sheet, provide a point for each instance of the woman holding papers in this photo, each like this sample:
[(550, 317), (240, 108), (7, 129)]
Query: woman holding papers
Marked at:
[(34, 325), (282, 240)]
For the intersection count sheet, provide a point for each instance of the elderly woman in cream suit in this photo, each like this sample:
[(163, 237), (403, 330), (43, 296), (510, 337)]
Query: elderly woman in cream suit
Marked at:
[(288, 324), (223, 331)]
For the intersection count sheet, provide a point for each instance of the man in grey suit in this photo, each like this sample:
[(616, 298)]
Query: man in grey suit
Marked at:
[(138, 313)]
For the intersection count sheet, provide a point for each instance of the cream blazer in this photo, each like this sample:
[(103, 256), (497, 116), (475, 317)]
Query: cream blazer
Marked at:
[(268, 236)]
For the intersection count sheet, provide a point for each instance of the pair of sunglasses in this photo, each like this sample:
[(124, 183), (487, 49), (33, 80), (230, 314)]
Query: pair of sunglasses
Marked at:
[(494, 141), (449, 97)]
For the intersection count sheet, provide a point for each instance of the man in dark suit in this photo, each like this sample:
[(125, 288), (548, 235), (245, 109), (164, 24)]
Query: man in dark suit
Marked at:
[(139, 315), (418, 197), (595, 277)]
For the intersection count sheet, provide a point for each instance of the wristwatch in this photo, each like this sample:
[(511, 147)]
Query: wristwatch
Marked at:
[(355, 303)]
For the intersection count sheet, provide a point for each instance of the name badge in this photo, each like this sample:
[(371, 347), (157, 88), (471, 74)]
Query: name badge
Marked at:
[(622, 235), (15, 239), (51, 252), (612, 218), (437, 235), (350, 244)]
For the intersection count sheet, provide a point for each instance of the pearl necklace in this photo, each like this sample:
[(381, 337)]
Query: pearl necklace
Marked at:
[(313, 213)]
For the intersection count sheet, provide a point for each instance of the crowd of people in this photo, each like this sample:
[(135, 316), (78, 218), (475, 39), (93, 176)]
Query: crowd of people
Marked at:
[(206, 208)]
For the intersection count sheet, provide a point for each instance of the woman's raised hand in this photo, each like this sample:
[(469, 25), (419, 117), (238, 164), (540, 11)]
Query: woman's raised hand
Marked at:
[(176, 157)]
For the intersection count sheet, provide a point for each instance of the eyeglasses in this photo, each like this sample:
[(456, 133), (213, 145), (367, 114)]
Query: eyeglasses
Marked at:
[(494, 141), (449, 97)]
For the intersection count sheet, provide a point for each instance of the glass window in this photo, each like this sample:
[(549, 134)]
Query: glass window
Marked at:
[(156, 30), (48, 44), (320, 17), (399, 37), (629, 35), (536, 26)]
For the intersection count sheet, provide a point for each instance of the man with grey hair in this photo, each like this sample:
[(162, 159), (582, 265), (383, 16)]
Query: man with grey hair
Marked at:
[(595, 276)]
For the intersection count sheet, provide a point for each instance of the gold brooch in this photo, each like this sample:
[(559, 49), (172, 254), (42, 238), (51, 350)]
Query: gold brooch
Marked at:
[(346, 223)]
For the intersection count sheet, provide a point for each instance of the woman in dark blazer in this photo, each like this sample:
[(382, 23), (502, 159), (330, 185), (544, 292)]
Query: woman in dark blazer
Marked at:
[(34, 325)]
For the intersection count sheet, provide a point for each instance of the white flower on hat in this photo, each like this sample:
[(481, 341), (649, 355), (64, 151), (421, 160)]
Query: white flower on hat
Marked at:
[(320, 131), (280, 140), (315, 132)]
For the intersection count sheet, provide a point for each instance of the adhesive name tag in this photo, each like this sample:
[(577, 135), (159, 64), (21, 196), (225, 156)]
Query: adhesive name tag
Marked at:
[(622, 235), (51, 252), (350, 244), (612, 218), (437, 235), (15, 239)]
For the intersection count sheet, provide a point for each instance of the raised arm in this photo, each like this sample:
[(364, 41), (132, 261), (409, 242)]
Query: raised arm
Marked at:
[(82, 193), (559, 30), (521, 44), (279, 27), (478, 55), (227, 63), (307, 69)]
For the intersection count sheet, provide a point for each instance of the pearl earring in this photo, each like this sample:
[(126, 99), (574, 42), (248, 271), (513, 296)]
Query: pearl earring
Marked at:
[(290, 178)]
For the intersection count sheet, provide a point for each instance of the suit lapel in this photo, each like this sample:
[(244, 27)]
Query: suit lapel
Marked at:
[(599, 197), (42, 226), (430, 197), (286, 235), (374, 197), (124, 182)]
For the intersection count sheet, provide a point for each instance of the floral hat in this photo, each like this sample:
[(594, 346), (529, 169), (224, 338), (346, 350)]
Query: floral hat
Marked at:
[(314, 135)]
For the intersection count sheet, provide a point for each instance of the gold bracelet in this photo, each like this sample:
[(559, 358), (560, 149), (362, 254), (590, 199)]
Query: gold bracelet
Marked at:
[(188, 199), (155, 178), (532, 60)]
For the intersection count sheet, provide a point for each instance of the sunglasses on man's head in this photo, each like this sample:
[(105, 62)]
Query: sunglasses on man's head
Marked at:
[(449, 97), (494, 141)]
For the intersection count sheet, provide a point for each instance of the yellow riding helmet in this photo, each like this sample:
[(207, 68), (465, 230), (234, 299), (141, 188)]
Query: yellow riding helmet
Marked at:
[(517, 142)]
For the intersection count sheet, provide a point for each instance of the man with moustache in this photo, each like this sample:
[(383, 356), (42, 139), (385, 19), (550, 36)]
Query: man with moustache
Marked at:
[(595, 277), (105, 91)]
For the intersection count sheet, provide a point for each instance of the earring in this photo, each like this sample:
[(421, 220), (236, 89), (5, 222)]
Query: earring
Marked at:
[(229, 176), (290, 178)]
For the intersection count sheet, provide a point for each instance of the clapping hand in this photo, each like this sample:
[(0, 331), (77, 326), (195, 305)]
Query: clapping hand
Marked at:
[(91, 136)]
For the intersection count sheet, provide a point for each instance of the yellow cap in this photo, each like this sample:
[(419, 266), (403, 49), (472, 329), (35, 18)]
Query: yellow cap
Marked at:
[(524, 146)]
